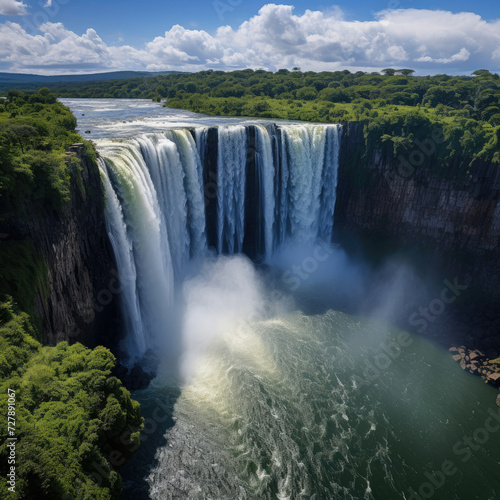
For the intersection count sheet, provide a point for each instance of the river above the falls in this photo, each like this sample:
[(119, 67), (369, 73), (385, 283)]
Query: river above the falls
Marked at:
[(272, 397), (119, 118)]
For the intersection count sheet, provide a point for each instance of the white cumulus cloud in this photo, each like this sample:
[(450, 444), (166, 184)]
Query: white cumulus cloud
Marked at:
[(276, 37), (12, 8), (463, 55)]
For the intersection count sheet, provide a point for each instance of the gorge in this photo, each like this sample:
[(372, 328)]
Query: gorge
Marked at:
[(182, 205), (254, 266)]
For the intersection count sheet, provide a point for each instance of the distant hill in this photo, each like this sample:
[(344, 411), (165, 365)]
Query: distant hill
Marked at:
[(14, 78), (28, 82)]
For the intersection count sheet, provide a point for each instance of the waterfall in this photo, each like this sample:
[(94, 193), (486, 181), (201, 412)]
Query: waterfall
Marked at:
[(266, 174), (329, 184), (231, 180), (122, 246), (305, 154), (171, 195)]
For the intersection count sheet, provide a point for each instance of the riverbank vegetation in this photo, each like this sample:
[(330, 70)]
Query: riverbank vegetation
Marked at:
[(74, 422), (35, 131), (72, 417), (395, 108)]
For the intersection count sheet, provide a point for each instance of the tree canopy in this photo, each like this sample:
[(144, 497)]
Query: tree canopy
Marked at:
[(70, 414), (34, 133)]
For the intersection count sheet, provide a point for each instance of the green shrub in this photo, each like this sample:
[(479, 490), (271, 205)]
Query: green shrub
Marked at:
[(70, 416)]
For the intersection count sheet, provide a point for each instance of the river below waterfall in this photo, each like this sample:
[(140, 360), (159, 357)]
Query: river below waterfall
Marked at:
[(265, 389), (288, 408)]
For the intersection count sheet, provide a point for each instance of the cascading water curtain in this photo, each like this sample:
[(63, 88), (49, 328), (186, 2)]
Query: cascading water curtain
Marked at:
[(231, 181), (155, 205), (309, 159), (266, 170), (156, 221)]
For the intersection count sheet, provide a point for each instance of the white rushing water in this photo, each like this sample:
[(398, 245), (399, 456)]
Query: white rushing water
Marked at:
[(231, 181), (156, 200), (267, 172)]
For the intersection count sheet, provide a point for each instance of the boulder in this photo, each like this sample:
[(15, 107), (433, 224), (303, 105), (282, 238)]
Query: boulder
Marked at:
[(475, 354)]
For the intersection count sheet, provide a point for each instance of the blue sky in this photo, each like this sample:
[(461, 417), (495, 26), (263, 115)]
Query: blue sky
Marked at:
[(66, 36), (137, 23)]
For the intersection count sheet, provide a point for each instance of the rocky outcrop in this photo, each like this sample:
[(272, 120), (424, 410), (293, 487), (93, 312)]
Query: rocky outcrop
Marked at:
[(456, 220), (478, 363), (81, 302)]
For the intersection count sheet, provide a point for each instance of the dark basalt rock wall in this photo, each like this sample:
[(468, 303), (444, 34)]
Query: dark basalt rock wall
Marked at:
[(457, 219), (252, 243), (83, 287), (210, 185)]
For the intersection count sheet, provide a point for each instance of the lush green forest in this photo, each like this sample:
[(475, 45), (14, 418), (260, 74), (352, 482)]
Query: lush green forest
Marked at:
[(326, 96), (74, 421), (334, 96), (70, 414), (396, 108), (34, 133)]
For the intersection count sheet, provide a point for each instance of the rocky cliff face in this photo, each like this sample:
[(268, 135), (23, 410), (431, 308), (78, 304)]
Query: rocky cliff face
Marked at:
[(458, 220), (81, 304)]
